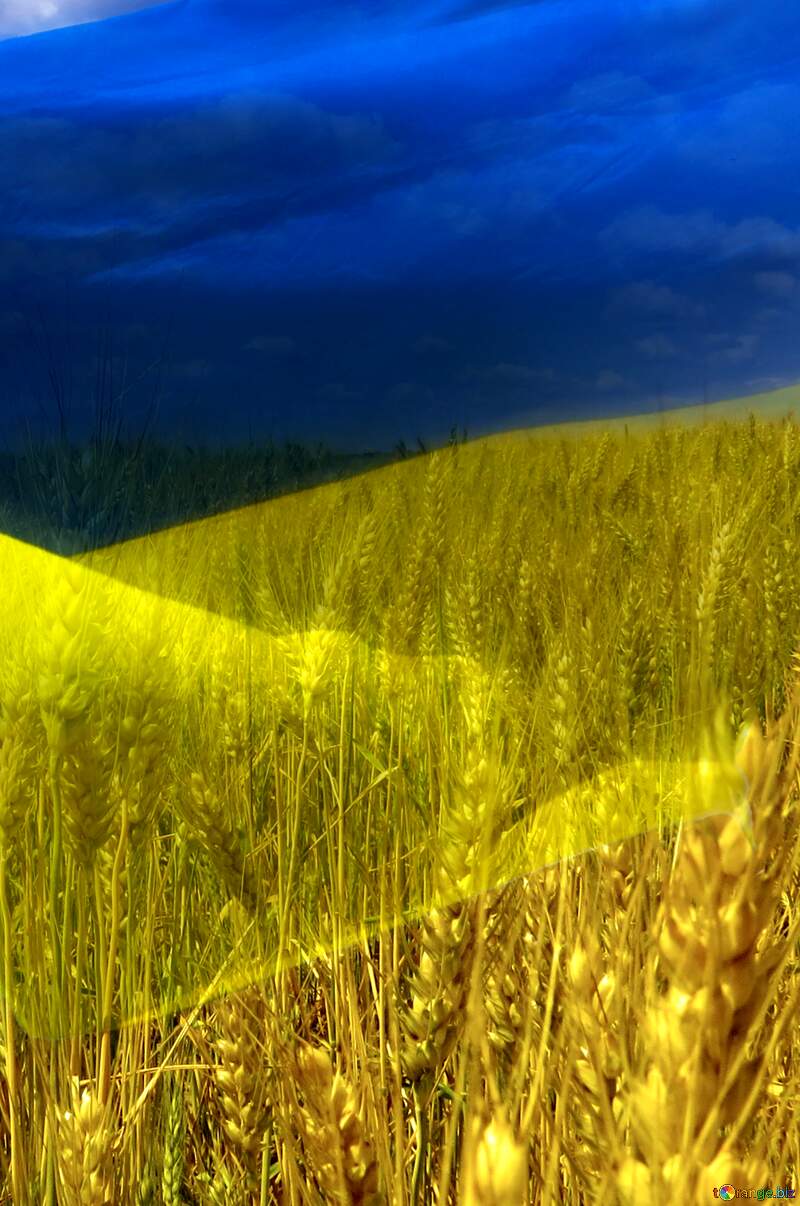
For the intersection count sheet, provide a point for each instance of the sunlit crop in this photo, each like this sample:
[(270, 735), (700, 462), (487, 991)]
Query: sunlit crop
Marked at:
[(426, 837)]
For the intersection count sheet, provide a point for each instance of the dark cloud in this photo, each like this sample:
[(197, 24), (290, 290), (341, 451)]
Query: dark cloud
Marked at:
[(608, 380), (776, 284), (657, 347), (649, 228), (654, 299), (517, 374), (361, 215), (467, 10), (191, 370), (431, 344), (337, 391), (272, 345), (735, 351)]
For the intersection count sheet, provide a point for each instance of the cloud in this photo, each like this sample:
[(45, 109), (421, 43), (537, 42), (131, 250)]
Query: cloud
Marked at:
[(740, 349), (777, 284), (612, 91), (467, 10), (272, 345), (431, 343), (657, 347), (191, 370), (764, 384), (337, 391), (137, 330), (647, 228), (33, 16), (517, 374), (766, 316), (609, 380), (11, 320), (164, 183), (752, 130), (694, 17), (411, 393), (322, 178), (211, 158), (649, 297)]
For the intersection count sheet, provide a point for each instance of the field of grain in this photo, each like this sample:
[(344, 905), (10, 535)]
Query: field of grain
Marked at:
[(426, 837)]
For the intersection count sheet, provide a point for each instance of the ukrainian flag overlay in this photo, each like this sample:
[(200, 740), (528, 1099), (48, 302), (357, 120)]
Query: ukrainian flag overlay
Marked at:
[(258, 738), (399, 609)]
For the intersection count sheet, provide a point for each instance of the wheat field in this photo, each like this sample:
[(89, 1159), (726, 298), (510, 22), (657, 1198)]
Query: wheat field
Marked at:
[(429, 837)]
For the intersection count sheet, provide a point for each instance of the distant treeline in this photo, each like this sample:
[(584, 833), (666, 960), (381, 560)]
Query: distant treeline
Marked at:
[(69, 497)]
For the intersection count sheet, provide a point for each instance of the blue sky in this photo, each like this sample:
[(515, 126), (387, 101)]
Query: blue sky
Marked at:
[(367, 221)]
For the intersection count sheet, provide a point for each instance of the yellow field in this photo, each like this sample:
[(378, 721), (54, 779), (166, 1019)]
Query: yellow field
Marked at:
[(351, 843)]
